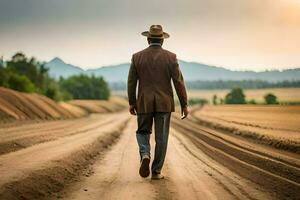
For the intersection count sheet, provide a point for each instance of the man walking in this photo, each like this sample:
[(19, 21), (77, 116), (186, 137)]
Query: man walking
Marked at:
[(153, 69)]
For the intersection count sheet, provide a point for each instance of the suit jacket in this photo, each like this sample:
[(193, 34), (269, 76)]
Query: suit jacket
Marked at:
[(153, 69)]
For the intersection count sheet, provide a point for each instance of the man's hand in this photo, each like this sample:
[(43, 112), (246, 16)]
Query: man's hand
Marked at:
[(184, 112), (132, 110)]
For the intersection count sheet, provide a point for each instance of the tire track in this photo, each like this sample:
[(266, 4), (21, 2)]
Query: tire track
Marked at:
[(280, 167), (190, 174), (116, 175), (288, 158), (220, 177), (55, 164), (287, 144), (288, 167), (272, 174), (48, 133)]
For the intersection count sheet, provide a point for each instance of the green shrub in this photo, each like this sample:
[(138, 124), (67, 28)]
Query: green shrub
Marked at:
[(215, 99), (195, 101), (28, 75), (3, 76), (270, 99), (85, 87), (252, 101), (235, 96), (20, 83)]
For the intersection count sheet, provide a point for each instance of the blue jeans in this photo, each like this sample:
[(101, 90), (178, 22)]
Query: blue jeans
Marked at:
[(161, 127)]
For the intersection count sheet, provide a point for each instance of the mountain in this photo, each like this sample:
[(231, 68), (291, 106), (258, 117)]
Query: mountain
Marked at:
[(57, 67), (113, 73), (195, 71), (191, 71)]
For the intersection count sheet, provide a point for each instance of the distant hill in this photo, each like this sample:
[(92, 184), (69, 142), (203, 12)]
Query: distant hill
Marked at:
[(115, 73), (192, 71), (57, 67)]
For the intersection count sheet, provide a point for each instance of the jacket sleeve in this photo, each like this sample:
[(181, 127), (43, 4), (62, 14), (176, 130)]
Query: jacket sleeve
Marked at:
[(178, 82), (132, 83)]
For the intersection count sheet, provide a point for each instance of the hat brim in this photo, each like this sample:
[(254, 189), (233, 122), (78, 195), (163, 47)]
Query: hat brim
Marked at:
[(147, 34)]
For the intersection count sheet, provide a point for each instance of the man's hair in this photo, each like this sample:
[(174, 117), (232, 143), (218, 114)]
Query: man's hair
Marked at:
[(155, 40)]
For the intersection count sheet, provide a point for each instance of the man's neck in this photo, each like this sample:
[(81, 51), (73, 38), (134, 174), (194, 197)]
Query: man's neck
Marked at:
[(155, 44)]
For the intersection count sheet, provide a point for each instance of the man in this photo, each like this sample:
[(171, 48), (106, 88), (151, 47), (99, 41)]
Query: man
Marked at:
[(153, 69)]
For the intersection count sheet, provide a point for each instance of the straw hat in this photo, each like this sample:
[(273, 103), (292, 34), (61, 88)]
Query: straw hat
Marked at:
[(156, 31)]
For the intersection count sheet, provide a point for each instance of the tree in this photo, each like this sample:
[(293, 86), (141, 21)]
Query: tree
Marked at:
[(20, 83), (270, 99), (214, 100), (85, 87), (35, 71), (221, 101), (19, 57), (3, 76), (29, 75), (235, 96), (252, 101)]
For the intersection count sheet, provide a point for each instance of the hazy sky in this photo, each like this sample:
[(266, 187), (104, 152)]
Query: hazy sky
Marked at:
[(236, 34)]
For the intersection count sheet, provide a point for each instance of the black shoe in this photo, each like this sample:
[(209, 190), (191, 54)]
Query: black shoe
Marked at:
[(144, 168)]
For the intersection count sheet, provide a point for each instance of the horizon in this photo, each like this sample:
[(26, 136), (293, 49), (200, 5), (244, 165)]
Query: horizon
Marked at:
[(179, 60), (251, 35)]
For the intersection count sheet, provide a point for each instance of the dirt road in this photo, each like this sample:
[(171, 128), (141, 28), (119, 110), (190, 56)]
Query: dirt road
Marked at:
[(72, 160)]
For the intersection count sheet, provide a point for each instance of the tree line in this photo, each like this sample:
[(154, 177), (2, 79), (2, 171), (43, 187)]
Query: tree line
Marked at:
[(245, 84), (237, 96), (222, 84), (29, 75)]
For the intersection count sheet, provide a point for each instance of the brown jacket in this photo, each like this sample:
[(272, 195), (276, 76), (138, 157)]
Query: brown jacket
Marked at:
[(153, 68)]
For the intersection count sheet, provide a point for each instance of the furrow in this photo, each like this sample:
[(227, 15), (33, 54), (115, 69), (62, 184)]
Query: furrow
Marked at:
[(236, 160)]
